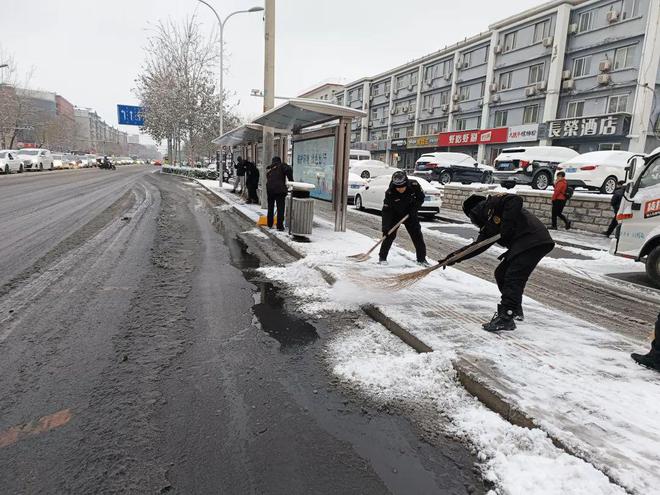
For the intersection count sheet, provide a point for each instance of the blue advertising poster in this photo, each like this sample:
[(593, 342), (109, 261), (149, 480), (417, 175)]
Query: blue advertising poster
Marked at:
[(129, 115), (314, 162)]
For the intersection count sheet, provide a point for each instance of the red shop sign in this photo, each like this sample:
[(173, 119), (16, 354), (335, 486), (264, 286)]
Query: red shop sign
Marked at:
[(477, 136)]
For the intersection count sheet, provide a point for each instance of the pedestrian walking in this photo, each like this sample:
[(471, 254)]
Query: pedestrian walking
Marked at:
[(559, 198), (651, 359), (403, 197), (277, 175), (527, 240), (251, 182), (615, 202), (239, 178)]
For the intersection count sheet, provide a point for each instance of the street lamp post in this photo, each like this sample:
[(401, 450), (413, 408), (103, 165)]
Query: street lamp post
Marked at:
[(221, 23)]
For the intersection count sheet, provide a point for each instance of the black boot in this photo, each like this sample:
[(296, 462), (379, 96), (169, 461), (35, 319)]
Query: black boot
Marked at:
[(650, 360), (518, 314), (502, 320)]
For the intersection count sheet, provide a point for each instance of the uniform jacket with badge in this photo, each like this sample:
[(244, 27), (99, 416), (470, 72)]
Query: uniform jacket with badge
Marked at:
[(397, 205), (504, 214)]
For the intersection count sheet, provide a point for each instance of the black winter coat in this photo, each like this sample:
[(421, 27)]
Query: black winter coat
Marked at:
[(520, 230), (276, 177), (397, 205), (617, 196), (240, 168), (251, 175)]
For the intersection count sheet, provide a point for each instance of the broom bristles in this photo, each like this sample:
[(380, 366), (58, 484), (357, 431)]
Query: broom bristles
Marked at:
[(396, 282)]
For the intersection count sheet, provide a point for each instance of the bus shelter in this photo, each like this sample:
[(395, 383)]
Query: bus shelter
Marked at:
[(247, 139), (321, 136)]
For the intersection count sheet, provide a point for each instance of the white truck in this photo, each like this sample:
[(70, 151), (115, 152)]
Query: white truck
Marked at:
[(638, 235)]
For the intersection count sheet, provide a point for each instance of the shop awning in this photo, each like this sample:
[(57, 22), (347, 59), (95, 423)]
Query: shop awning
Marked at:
[(298, 113)]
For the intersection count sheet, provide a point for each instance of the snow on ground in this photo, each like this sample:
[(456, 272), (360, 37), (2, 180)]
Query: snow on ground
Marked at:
[(575, 379)]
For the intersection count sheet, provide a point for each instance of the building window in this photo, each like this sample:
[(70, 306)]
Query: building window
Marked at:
[(375, 91), (374, 114), (531, 114), (464, 93), (505, 80), (575, 109), (413, 78), (430, 73), (541, 31), (388, 85), (482, 89), (430, 128), (585, 21), (535, 74), (623, 57), (509, 41), (461, 124), (444, 98), (617, 103), (410, 131), (630, 9), (581, 66), (500, 118), (609, 147)]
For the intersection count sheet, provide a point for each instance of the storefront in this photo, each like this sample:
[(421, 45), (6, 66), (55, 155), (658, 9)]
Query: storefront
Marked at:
[(468, 141), (594, 133), (378, 148), (518, 135), (400, 156)]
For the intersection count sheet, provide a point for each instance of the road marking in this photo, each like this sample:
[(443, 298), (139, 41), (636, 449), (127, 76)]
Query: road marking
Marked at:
[(42, 425)]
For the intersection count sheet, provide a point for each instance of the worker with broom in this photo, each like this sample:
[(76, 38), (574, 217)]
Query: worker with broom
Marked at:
[(527, 240), (403, 198)]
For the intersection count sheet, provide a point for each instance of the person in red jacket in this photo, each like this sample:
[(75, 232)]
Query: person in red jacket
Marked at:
[(559, 201)]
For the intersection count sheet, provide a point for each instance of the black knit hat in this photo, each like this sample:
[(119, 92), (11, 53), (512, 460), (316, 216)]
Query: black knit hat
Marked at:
[(471, 202), (276, 160), (399, 178)]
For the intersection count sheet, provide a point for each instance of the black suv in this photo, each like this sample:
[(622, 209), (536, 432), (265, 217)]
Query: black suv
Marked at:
[(452, 167)]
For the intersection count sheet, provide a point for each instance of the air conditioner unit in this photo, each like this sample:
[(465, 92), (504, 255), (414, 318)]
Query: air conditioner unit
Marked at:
[(429, 82), (530, 91), (466, 65), (568, 84), (411, 116), (410, 87), (612, 16), (604, 65), (371, 124), (392, 110), (541, 86), (493, 87), (603, 79), (460, 62), (387, 95), (495, 98), (445, 108), (498, 48), (566, 75), (371, 97), (447, 76), (396, 91), (457, 108), (405, 109), (572, 28), (455, 97), (382, 120), (481, 103), (430, 110), (547, 42)]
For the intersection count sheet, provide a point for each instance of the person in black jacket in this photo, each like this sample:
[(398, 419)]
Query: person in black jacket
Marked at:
[(527, 240), (403, 197), (276, 176), (652, 359), (615, 202), (251, 182), (239, 179)]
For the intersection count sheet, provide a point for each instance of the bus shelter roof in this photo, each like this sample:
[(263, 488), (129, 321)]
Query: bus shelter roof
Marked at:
[(298, 113), (247, 133)]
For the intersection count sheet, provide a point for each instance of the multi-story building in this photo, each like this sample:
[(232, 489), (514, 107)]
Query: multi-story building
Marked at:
[(326, 91), (576, 73), (93, 135)]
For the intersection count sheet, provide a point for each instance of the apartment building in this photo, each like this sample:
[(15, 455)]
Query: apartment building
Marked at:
[(94, 135), (575, 73)]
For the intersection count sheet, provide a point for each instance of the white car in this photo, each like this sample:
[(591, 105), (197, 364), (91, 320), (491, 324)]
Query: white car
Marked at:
[(9, 162), (355, 182), (61, 161), (596, 170), (371, 195), (370, 168), (36, 159)]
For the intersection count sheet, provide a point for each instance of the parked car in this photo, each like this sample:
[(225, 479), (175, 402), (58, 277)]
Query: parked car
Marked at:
[(598, 170), (9, 162), (359, 155), (355, 182), (370, 168), (534, 165), (371, 195), (36, 159), (452, 167), (60, 161)]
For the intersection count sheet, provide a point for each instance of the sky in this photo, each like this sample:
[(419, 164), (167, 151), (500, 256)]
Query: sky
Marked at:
[(91, 51)]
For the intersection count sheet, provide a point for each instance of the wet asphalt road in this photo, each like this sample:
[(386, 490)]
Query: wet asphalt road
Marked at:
[(140, 353)]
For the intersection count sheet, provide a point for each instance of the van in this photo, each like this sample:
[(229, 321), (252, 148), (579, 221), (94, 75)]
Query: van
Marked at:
[(638, 234), (359, 155), (534, 165)]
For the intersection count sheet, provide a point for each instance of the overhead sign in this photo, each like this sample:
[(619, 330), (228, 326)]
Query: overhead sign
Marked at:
[(398, 143), (585, 127), (314, 163), (474, 137), (522, 133), (129, 115)]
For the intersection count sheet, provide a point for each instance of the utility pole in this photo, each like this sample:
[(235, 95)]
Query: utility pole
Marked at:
[(269, 92)]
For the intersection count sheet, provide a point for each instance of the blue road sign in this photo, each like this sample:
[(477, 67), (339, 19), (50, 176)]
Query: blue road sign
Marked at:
[(130, 115)]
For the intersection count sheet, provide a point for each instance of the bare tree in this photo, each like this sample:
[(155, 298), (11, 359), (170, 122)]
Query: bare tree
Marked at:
[(15, 111)]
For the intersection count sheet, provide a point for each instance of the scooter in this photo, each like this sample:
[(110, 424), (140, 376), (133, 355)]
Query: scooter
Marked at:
[(106, 164)]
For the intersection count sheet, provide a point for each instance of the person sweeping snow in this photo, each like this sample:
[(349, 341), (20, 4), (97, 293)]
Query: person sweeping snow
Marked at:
[(403, 197), (527, 240)]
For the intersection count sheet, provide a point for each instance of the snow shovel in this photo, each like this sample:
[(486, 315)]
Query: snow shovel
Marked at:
[(365, 256), (408, 279)]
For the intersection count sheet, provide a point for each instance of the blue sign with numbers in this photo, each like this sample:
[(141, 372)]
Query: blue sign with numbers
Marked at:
[(129, 115)]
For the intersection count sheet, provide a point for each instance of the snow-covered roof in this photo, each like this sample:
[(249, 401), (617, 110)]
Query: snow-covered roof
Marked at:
[(298, 113), (248, 133)]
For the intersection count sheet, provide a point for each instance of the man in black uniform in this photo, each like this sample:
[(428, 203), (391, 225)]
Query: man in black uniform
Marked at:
[(652, 359), (527, 240), (403, 197)]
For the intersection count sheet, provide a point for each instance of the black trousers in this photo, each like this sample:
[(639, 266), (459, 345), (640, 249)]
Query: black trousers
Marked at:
[(557, 209), (278, 199), (252, 193), (612, 225), (414, 230), (512, 274)]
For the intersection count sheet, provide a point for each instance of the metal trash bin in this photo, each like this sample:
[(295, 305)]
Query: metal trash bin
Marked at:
[(299, 209)]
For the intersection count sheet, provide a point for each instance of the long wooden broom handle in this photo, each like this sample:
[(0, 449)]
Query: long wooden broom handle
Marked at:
[(398, 224), (468, 250)]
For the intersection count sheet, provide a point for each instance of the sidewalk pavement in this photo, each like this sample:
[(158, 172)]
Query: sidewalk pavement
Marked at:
[(557, 374)]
